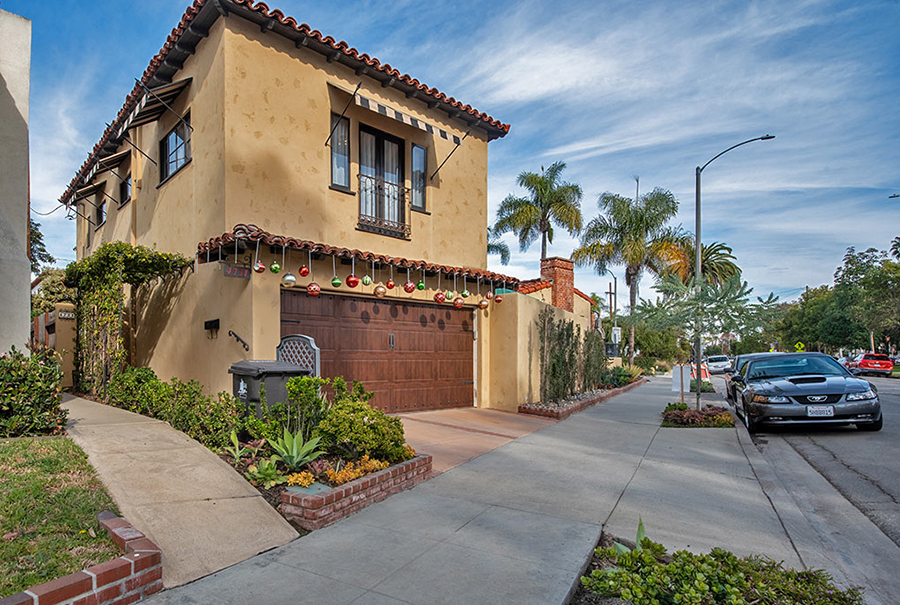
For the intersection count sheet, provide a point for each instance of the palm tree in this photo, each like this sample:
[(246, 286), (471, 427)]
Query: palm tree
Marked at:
[(551, 201), (631, 233), (895, 248), (495, 245), (717, 261)]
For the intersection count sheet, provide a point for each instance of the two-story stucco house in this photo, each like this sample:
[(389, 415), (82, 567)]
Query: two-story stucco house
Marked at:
[(252, 140)]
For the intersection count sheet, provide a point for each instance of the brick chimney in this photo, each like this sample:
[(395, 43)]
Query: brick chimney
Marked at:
[(560, 271)]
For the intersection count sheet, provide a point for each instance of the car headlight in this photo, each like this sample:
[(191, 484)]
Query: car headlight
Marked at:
[(770, 399), (862, 395)]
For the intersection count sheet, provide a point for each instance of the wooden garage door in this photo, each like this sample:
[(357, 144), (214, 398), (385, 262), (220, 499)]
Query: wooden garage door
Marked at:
[(413, 356)]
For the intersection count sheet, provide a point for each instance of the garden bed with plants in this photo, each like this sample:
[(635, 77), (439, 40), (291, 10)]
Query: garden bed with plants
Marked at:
[(680, 415), (613, 381), (643, 573), (307, 445)]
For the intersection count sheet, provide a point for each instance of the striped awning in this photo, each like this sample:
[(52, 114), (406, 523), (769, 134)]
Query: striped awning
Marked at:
[(390, 112)]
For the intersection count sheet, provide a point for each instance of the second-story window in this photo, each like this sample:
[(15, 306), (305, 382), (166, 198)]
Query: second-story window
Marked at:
[(125, 191), (382, 195), (340, 151), (418, 177), (175, 149)]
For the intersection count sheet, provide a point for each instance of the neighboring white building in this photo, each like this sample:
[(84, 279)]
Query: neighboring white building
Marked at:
[(15, 268)]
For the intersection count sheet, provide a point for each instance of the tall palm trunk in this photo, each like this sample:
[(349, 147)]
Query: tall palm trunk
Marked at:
[(631, 278), (543, 245)]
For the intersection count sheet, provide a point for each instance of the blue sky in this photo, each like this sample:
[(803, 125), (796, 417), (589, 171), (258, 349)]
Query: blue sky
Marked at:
[(615, 89)]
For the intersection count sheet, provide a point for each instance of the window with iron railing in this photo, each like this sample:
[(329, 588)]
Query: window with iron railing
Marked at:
[(383, 200)]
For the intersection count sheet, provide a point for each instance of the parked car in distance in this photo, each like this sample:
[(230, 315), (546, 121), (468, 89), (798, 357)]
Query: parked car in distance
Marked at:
[(739, 362), (717, 364), (871, 363), (801, 389)]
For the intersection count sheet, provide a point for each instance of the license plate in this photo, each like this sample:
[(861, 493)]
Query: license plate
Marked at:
[(820, 410)]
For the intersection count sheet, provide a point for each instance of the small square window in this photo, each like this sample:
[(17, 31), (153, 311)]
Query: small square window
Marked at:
[(175, 149), (418, 177), (340, 151)]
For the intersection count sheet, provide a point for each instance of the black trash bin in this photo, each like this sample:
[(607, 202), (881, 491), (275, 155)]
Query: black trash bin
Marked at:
[(249, 375)]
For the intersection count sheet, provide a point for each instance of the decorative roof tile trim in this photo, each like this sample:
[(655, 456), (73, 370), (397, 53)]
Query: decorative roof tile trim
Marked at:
[(260, 7), (532, 286), (584, 296), (255, 234)]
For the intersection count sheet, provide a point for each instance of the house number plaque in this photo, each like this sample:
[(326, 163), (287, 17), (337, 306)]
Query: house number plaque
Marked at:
[(239, 272)]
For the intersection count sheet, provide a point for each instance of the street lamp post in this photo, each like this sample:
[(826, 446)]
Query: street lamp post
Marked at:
[(698, 268)]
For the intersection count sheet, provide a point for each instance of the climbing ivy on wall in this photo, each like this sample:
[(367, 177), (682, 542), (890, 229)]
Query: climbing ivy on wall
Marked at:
[(100, 305), (568, 363)]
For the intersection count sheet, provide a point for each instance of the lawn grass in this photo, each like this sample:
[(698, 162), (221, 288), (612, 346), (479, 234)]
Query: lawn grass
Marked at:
[(49, 500)]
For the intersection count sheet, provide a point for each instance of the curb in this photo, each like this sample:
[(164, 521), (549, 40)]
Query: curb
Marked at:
[(126, 579)]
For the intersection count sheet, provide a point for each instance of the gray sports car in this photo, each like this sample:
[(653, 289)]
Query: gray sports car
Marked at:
[(804, 388)]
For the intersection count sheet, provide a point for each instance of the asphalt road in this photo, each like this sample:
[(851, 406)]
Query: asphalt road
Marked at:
[(863, 466)]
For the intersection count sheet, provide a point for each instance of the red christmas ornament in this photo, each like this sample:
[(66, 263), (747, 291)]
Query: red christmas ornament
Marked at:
[(409, 287), (390, 284), (352, 281), (458, 303), (483, 304), (489, 295), (498, 299), (439, 297), (313, 289), (259, 267), (304, 271)]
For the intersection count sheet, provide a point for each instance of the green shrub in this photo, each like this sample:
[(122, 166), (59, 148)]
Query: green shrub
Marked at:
[(352, 428), (306, 396), (645, 363), (208, 419), (617, 377), (30, 388), (706, 387), (593, 355), (645, 576), (675, 407), (709, 417)]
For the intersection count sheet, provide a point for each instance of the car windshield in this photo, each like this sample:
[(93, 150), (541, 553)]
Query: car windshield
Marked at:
[(718, 358), (792, 366)]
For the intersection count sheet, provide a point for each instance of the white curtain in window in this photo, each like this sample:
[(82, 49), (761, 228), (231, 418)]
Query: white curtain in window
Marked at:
[(340, 152), (418, 176), (392, 175), (367, 191)]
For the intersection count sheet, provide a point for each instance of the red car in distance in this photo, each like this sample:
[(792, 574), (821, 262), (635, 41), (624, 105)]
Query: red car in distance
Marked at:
[(871, 363)]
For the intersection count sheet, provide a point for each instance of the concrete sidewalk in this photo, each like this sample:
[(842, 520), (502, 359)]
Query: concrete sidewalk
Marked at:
[(202, 514), (518, 523)]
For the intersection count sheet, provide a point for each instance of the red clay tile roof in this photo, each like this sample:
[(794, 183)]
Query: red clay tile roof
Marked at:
[(304, 30), (584, 296), (533, 285), (255, 234)]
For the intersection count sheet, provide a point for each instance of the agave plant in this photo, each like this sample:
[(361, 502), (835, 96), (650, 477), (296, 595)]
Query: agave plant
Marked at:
[(265, 473), (293, 451)]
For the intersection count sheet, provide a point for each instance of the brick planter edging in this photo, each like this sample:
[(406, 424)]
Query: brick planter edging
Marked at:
[(126, 579), (565, 412), (315, 511)]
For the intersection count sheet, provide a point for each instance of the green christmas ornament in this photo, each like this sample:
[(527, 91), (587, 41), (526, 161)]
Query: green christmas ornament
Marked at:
[(366, 280), (275, 267), (464, 294), (336, 282), (420, 285), (449, 294)]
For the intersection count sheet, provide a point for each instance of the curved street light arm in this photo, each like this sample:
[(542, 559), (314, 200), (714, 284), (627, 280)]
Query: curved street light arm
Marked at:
[(765, 137)]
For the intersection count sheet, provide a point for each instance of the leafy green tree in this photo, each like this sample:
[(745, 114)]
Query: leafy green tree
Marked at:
[(495, 245), (550, 202), (38, 250), (716, 258), (661, 344), (53, 290), (869, 281), (895, 248), (722, 307), (633, 233)]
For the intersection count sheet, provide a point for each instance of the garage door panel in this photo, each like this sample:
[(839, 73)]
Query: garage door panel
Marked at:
[(429, 367)]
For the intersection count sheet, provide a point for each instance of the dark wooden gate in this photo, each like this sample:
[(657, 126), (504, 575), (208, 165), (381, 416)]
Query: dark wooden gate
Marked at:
[(413, 356)]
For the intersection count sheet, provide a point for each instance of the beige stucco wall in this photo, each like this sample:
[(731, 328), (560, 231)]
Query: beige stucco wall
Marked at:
[(261, 111), (511, 341), (15, 268)]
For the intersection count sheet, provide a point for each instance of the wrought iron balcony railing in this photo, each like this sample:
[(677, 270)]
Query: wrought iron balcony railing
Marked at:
[(383, 207)]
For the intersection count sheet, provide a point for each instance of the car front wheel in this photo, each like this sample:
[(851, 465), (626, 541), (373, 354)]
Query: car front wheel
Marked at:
[(752, 425), (871, 426)]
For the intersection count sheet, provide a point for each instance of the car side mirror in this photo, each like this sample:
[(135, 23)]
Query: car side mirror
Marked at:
[(735, 377)]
